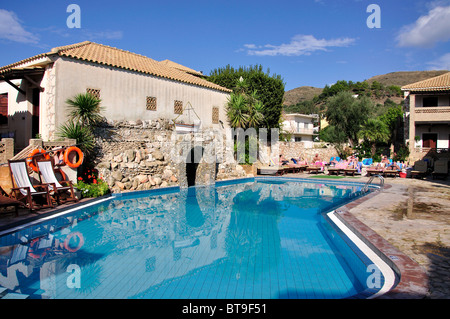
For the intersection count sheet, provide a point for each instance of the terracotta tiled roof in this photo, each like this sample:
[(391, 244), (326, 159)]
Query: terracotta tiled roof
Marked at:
[(106, 55), (438, 83), (180, 67)]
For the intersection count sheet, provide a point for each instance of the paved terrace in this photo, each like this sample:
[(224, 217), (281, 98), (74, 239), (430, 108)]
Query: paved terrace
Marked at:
[(408, 221)]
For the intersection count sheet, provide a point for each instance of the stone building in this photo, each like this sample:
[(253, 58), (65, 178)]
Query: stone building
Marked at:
[(132, 87)]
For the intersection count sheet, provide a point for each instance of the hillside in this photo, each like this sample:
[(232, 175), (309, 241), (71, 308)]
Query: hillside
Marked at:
[(305, 93), (403, 78), (300, 94)]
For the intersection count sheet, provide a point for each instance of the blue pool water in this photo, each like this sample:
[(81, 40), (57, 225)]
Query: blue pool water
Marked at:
[(263, 238)]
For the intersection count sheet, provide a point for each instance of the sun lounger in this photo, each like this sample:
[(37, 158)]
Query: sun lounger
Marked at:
[(25, 190), (47, 176), (391, 172), (314, 169), (334, 170), (420, 169), (374, 171), (291, 168), (271, 170), (350, 171), (440, 169)]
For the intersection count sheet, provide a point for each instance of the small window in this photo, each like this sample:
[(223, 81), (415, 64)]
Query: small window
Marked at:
[(94, 92), (215, 115), (430, 101), (178, 107), (151, 103), (4, 109), (298, 138)]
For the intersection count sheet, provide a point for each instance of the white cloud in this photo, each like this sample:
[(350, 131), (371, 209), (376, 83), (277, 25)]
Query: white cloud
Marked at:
[(443, 63), (427, 30), (299, 45), (12, 29)]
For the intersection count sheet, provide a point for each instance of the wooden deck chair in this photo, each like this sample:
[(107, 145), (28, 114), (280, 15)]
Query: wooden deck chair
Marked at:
[(24, 190), (47, 177), (6, 201)]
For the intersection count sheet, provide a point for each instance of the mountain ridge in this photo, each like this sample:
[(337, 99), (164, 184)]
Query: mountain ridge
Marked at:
[(399, 78)]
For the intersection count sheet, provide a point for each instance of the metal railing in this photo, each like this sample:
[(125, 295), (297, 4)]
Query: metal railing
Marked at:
[(365, 189)]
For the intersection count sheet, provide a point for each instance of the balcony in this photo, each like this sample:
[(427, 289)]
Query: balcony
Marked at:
[(432, 114), (302, 131)]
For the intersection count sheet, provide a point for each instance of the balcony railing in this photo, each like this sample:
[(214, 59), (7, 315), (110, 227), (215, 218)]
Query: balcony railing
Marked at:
[(306, 131), (432, 114), (434, 109)]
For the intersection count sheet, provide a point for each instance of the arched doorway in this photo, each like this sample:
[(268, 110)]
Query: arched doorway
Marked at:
[(192, 160)]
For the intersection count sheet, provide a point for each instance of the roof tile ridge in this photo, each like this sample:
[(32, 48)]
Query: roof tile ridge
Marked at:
[(124, 51), (436, 78), (69, 47)]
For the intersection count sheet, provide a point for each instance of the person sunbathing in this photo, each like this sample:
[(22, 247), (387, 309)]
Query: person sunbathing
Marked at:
[(393, 166), (282, 160), (302, 161)]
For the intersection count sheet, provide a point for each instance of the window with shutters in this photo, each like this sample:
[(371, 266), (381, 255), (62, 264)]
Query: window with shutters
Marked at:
[(4, 109)]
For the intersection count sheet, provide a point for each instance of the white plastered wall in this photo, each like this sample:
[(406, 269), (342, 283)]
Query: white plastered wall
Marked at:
[(123, 93)]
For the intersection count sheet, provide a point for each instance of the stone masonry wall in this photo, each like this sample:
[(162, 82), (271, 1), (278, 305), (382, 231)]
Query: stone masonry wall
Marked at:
[(150, 154), (297, 149)]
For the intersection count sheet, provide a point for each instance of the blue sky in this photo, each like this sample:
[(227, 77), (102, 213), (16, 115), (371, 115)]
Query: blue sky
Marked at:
[(307, 42)]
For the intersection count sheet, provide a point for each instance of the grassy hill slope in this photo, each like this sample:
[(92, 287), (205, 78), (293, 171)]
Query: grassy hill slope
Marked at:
[(402, 78)]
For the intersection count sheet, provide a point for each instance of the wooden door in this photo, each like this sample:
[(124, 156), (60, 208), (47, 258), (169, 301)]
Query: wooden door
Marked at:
[(429, 140)]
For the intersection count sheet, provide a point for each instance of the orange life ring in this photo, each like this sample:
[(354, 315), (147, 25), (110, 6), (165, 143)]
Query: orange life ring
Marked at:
[(30, 159), (80, 157), (32, 252), (69, 237)]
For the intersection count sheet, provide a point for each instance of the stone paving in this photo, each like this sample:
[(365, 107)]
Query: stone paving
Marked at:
[(413, 215)]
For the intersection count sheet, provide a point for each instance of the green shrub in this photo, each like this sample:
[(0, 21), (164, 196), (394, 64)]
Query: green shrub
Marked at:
[(90, 185), (97, 189)]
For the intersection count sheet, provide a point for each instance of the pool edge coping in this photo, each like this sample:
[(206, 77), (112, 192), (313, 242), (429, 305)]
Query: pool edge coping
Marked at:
[(412, 277)]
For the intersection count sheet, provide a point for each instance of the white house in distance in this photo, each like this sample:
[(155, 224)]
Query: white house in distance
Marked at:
[(33, 92), (300, 127)]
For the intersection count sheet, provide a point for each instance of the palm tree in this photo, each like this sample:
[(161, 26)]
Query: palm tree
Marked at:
[(374, 131), (85, 109)]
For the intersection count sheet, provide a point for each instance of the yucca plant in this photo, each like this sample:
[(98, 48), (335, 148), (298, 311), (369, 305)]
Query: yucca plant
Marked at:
[(237, 111), (83, 135), (85, 109), (255, 115)]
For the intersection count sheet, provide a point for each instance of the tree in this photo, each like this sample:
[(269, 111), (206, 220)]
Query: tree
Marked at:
[(334, 136), (348, 114), (374, 131), (269, 89)]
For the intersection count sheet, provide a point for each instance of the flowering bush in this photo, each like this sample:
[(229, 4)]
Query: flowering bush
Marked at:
[(91, 185)]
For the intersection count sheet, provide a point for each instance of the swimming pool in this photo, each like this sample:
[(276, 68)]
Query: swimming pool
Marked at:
[(259, 238)]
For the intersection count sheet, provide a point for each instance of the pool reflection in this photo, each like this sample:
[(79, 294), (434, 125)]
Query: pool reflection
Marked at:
[(201, 242)]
